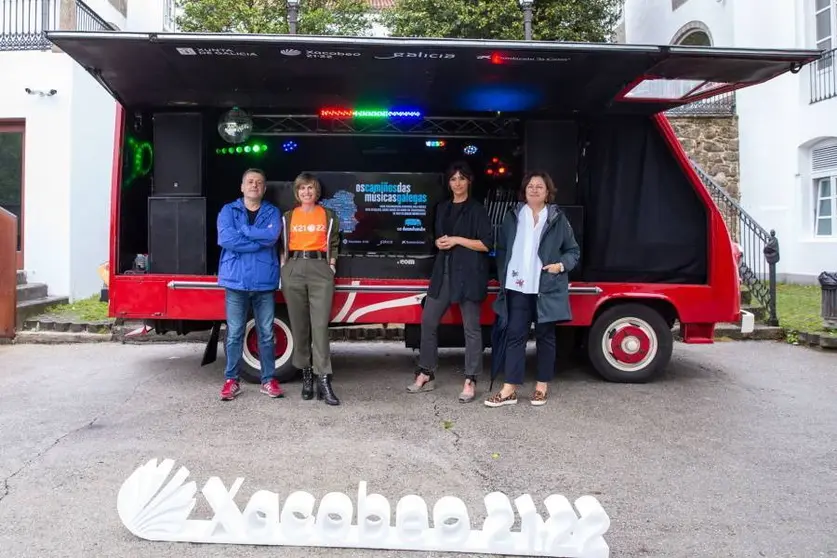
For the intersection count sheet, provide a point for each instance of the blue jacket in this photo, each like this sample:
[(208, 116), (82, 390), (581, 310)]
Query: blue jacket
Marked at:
[(249, 260)]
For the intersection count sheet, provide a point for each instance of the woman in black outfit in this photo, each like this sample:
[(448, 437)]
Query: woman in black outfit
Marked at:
[(460, 276)]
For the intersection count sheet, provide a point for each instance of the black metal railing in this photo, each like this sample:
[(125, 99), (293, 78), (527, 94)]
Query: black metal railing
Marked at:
[(719, 105), (24, 23), (823, 77), (759, 248)]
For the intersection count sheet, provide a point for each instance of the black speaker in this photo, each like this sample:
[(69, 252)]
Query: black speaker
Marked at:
[(177, 235), (178, 154), (552, 146)]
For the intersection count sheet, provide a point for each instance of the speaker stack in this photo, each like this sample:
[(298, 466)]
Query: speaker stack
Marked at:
[(177, 206)]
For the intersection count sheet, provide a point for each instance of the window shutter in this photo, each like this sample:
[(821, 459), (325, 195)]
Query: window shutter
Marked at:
[(824, 158)]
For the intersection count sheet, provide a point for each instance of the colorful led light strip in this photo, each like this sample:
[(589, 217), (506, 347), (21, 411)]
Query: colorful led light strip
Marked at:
[(257, 148), (368, 113)]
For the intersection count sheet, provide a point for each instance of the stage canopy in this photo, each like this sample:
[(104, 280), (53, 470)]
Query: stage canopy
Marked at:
[(446, 77)]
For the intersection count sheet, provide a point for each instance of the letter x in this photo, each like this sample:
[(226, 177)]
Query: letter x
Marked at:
[(226, 511)]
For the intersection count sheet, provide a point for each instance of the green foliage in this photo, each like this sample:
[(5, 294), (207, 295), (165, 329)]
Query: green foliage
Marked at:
[(799, 308), (316, 17), (553, 20), (84, 310)]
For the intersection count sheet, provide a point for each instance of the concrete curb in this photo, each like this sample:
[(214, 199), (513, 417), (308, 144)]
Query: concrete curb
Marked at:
[(817, 340), (56, 338), (52, 332)]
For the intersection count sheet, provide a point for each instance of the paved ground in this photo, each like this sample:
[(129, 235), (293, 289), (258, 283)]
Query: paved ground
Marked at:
[(732, 453)]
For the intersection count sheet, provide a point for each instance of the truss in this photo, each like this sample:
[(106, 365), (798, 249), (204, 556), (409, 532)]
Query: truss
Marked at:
[(435, 127)]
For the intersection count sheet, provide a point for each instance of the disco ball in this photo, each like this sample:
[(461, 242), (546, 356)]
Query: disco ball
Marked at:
[(235, 126)]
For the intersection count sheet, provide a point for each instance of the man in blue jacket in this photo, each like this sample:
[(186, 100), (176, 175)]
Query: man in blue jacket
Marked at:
[(248, 229)]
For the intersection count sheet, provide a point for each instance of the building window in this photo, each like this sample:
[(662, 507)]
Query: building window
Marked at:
[(825, 24), (695, 33), (824, 173)]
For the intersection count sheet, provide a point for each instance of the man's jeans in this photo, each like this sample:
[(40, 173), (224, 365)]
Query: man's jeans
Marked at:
[(237, 304)]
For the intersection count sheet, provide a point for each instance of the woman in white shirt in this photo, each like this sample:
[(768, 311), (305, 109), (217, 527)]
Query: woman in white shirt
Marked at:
[(536, 250)]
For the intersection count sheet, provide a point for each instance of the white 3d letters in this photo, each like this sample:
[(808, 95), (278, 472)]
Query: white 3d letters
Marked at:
[(154, 509)]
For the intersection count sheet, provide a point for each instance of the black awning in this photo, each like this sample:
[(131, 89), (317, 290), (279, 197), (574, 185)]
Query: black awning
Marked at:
[(434, 76)]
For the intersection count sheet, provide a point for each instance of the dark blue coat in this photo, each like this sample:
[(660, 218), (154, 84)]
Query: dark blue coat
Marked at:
[(249, 260), (558, 244)]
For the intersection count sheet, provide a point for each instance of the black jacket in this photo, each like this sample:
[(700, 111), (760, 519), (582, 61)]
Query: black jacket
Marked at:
[(557, 244), (468, 268)]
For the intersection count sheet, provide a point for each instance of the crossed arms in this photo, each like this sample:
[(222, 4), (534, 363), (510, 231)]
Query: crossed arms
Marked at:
[(247, 238)]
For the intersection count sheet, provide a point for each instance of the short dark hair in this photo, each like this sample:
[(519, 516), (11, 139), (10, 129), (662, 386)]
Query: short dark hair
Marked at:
[(551, 191), (462, 168), (257, 171)]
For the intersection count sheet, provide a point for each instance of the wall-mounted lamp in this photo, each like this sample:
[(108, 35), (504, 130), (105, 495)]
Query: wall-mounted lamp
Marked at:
[(40, 93)]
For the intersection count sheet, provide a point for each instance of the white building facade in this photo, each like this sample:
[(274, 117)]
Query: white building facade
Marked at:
[(787, 127), (56, 137)]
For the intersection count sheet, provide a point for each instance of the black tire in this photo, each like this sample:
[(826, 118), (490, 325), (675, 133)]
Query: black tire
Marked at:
[(250, 369), (644, 351)]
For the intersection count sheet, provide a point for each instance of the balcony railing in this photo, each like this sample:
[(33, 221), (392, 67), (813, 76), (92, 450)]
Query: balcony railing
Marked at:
[(823, 77), (719, 105), (24, 23)]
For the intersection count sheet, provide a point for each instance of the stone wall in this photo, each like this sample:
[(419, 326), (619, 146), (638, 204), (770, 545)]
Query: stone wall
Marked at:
[(713, 143)]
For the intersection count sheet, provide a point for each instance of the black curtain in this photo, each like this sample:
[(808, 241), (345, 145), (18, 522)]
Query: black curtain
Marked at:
[(643, 220)]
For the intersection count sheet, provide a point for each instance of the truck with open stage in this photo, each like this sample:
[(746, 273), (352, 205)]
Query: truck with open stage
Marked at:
[(378, 120)]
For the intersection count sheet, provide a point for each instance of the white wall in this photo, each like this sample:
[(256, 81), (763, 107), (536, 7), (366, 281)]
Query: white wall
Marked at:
[(106, 11), (147, 15), (67, 168), (777, 126), (91, 138), (777, 123), (653, 21), (768, 121), (46, 224)]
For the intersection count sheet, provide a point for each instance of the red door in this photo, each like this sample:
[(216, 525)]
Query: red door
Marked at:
[(11, 175)]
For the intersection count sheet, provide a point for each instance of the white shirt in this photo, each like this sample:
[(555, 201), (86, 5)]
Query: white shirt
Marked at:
[(524, 271)]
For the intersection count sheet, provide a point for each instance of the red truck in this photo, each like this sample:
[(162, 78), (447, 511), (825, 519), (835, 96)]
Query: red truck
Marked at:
[(378, 120)]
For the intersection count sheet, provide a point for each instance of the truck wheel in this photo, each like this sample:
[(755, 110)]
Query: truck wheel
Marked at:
[(283, 349), (630, 343)]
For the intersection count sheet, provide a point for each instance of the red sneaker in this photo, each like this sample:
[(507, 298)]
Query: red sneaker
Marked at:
[(272, 388), (230, 390)]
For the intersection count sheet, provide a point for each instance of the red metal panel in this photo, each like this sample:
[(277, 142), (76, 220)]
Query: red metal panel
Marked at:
[(115, 189), (195, 304), (8, 273), (138, 297), (723, 303)]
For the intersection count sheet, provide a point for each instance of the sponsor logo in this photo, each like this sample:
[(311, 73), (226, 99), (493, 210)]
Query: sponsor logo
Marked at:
[(500, 58), (411, 225), (187, 51), (308, 228), (416, 55), (324, 54)]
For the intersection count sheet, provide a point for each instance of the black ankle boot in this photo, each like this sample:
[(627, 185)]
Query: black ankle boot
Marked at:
[(324, 390), (307, 383)]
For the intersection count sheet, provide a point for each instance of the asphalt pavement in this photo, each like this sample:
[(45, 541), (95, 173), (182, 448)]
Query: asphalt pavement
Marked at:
[(732, 453)]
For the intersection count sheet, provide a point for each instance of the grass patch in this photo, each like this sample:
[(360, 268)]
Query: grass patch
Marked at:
[(799, 308), (86, 310)]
